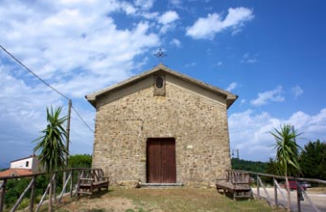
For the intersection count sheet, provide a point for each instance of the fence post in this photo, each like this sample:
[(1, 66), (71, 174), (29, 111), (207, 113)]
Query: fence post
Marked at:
[(275, 192), (299, 196), (22, 196), (32, 198), (3, 192), (71, 182), (258, 192)]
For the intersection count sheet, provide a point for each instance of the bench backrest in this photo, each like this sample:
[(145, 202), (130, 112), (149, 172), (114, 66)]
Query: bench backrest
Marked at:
[(237, 177)]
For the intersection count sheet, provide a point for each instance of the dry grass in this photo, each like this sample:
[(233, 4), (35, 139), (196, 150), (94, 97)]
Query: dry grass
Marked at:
[(161, 200)]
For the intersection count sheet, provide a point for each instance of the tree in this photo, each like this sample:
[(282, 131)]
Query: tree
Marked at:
[(273, 168), (314, 155), (287, 153), (51, 147), (80, 161)]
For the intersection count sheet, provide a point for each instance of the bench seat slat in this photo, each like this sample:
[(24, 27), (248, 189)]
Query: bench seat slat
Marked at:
[(237, 185), (89, 185)]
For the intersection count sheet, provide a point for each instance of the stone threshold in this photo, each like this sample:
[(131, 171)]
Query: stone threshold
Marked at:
[(160, 185)]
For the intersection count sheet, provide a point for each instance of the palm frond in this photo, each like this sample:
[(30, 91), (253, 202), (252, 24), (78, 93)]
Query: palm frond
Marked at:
[(51, 146)]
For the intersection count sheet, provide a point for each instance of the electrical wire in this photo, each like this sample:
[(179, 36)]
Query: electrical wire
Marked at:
[(18, 61), (82, 119), (47, 84)]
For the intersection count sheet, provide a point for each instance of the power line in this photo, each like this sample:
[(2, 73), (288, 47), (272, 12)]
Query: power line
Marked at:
[(18, 61), (82, 120), (47, 84)]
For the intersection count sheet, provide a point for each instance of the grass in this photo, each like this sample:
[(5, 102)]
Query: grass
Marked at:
[(161, 200)]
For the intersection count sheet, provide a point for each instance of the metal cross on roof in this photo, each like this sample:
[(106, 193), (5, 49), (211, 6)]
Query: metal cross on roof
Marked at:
[(160, 54)]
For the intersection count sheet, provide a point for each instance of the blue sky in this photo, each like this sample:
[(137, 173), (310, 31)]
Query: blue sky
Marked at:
[(271, 53)]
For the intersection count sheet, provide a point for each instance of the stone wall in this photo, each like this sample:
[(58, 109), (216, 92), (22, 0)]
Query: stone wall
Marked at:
[(197, 121)]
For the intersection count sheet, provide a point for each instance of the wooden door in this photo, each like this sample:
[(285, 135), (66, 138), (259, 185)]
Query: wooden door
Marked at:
[(161, 167)]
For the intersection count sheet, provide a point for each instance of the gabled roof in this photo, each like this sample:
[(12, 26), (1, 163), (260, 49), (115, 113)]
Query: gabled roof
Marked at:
[(32, 156), (230, 98)]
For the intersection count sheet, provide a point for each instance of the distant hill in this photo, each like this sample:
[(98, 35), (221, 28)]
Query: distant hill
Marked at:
[(254, 166)]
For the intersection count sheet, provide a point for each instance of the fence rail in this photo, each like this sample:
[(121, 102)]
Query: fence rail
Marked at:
[(31, 187), (273, 199), (276, 199)]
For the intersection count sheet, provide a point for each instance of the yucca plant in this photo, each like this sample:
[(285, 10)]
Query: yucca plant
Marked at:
[(51, 147), (287, 153)]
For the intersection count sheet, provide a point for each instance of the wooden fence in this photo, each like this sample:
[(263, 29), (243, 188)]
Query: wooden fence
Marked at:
[(278, 198), (258, 182), (71, 181)]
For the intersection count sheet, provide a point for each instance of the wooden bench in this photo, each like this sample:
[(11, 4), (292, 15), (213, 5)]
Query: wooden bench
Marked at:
[(236, 183), (88, 183)]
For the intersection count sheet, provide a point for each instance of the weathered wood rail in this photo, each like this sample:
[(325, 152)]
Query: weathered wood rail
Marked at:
[(233, 176), (97, 175), (235, 183), (274, 200)]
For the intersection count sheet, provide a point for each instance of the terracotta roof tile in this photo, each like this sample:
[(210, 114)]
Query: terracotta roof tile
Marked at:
[(15, 172)]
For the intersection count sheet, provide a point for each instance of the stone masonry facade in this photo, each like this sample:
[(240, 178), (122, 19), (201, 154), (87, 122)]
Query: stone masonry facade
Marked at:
[(195, 118)]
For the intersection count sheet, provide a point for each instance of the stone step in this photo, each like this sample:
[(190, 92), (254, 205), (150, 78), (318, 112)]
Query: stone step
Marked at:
[(160, 185)]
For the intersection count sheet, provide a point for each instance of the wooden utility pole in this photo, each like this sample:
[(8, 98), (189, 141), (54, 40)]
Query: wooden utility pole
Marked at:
[(67, 141)]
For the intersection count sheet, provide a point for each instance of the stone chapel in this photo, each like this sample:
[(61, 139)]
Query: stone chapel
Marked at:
[(162, 127)]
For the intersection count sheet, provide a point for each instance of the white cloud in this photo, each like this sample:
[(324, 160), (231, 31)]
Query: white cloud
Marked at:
[(297, 91), (144, 4), (57, 43), (250, 132), (237, 16), (167, 20), (268, 96), (23, 116), (128, 8), (247, 58), (168, 17), (176, 3), (175, 42), (76, 47), (207, 28), (232, 86)]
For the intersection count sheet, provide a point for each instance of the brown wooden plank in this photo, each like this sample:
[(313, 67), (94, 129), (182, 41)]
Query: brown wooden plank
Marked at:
[(168, 160), (161, 162), (153, 161)]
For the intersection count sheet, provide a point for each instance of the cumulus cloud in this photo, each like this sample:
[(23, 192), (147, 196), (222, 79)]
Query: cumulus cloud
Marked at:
[(76, 47), (167, 20), (232, 86), (268, 96), (144, 4), (297, 91), (250, 131), (207, 28), (168, 17), (59, 42), (175, 42), (237, 16)]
